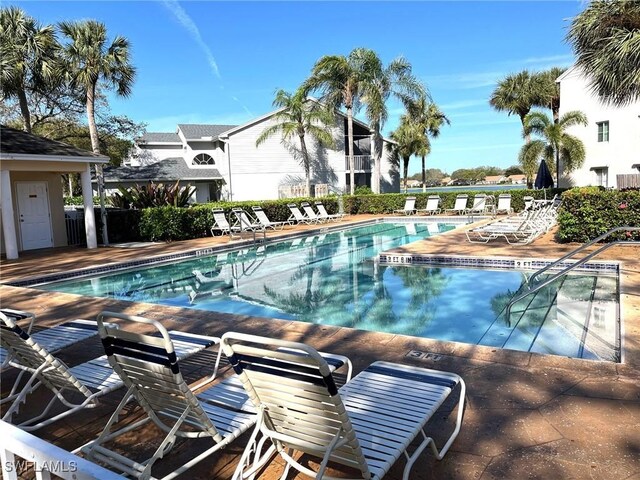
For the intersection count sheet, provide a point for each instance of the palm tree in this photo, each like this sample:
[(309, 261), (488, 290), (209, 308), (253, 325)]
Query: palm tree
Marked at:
[(27, 57), (409, 140), (90, 60), (396, 79), (548, 90), (516, 94), (429, 116), (555, 145), (299, 116), (606, 40), (341, 81)]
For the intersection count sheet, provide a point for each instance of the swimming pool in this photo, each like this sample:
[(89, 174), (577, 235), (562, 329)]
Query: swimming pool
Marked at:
[(334, 279)]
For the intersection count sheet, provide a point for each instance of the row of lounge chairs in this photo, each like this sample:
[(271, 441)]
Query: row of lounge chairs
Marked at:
[(286, 392), (482, 205), (537, 218), (260, 222)]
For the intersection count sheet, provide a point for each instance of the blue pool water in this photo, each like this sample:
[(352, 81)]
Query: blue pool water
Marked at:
[(334, 279)]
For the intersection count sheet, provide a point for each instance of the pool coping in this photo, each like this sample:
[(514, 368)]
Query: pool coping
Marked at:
[(236, 244)]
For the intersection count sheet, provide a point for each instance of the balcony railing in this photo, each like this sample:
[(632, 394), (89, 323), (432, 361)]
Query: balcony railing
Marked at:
[(360, 163)]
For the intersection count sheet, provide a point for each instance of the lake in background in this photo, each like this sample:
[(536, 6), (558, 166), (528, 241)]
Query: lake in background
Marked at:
[(491, 188)]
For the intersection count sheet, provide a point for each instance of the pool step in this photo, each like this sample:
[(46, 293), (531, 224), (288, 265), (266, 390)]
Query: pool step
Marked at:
[(570, 317)]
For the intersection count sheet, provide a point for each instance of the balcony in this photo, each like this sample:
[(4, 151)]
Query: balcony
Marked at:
[(362, 163)]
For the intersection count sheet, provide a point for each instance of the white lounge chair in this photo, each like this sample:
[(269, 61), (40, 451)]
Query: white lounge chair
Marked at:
[(308, 210), (297, 216), (433, 205), (89, 380), (460, 205), (264, 220), (221, 224), (326, 215), (367, 424), (409, 206), (149, 368), (54, 338), (504, 204), (479, 204)]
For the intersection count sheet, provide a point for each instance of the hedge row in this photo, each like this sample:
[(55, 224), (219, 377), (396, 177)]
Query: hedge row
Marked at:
[(387, 203), (585, 213), (589, 212)]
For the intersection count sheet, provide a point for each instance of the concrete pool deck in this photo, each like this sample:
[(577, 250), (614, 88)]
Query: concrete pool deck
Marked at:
[(527, 416)]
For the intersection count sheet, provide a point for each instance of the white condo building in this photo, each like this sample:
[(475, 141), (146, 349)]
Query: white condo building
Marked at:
[(223, 162), (611, 138)]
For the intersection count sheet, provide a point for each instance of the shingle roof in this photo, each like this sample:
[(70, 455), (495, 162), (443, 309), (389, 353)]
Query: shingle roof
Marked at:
[(195, 131), (169, 169), (23, 143), (153, 137)]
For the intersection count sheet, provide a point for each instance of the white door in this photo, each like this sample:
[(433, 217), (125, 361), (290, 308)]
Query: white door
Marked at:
[(33, 215)]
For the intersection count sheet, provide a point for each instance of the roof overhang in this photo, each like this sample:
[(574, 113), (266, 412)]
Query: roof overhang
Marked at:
[(600, 167), (636, 165), (53, 158), (147, 142)]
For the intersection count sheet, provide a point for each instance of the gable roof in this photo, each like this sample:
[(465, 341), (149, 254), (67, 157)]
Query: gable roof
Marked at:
[(201, 131), (169, 169), (266, 116), (22, 145), (159, 137)]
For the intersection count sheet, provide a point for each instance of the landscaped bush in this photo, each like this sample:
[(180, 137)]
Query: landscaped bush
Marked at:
[(78, 201), (389, 202), (589, 212)]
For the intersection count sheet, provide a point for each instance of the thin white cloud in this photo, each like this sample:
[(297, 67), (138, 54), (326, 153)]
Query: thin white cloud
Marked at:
[(189, 25)]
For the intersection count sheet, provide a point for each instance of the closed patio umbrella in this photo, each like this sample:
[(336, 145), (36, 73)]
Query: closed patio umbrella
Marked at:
[(543, 178)]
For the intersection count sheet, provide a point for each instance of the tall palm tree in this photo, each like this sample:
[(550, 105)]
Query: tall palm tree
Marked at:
[(606, 40), (341, 81), (548, 90), (90, 60), (516, 94), (299, 116), (429, 116), (409, 140), (555, 146), (27, 57), (395, 79)]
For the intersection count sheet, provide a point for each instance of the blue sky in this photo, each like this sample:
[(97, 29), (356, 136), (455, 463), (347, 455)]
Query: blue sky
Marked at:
[(220, 62)]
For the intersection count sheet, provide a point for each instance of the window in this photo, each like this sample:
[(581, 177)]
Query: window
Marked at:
[(203, 159), (603, 131)]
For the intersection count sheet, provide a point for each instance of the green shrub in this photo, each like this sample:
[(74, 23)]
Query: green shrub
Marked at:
[(587, 213), (78, 201), (387, 203), (152, 195)]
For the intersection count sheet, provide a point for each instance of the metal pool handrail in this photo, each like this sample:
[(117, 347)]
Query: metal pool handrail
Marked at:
[(579, 249), (566, 270)]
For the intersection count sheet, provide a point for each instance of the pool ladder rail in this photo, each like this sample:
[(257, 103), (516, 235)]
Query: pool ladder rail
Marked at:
[(533, 288)]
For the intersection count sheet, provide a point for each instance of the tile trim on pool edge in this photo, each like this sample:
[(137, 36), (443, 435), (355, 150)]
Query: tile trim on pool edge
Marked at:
[(491, 262)]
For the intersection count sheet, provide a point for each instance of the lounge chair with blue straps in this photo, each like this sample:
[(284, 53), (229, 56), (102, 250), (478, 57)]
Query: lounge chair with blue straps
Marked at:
[(367, 424)]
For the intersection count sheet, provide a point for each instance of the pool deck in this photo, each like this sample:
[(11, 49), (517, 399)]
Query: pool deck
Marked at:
[(528, 415)]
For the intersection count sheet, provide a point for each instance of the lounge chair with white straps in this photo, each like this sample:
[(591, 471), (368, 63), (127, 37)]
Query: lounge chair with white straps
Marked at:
[(221, 224), (460, 205), (322, 211), (246, 223), (310, 213), (504, 204), (264, 219), (433, 205), (150, 370), (409, 206), (367, 424), (297, 216), (88, 381)]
